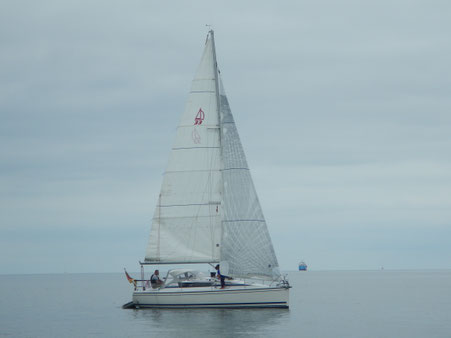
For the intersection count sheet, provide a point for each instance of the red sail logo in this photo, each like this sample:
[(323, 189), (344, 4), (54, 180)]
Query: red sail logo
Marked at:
[(199, 117)]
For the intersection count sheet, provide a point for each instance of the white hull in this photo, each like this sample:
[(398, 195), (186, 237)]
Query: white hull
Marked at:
[(253, 296)]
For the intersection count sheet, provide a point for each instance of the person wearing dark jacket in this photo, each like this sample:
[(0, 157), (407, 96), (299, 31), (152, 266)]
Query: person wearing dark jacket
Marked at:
[(155, 280), (221, 277)]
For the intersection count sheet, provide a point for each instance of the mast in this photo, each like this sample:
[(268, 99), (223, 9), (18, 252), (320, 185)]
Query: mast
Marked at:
[(218, 105), (215, 68)]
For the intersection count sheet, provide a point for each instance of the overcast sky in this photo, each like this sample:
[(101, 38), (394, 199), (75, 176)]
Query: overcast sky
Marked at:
[(344, 111)]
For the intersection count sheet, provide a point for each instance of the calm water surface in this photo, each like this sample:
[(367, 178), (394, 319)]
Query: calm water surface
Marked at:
[(322, 304)]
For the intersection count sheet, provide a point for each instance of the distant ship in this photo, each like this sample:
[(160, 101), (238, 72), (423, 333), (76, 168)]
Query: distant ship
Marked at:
[(302, 266)]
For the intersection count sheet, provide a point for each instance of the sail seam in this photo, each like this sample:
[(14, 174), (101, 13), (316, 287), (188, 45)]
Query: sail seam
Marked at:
[(184, 217), (182, 205), (182, 148), (235, 169), (245, 220), (214, 126), (190, 171)]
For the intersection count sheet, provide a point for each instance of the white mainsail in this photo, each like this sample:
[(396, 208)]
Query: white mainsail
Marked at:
[(208, 210), (186, 226)]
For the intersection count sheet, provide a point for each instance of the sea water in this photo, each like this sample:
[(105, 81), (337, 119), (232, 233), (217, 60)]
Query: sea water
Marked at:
[(322, 304)]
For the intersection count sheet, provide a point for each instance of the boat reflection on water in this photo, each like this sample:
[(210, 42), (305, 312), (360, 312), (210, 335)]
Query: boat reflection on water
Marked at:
[(214, 322)]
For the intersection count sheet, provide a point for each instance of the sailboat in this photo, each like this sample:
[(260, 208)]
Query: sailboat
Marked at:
[(208, 212)]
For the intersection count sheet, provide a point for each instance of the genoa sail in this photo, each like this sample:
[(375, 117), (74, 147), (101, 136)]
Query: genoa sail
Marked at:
[(208, 210), (246, 244)]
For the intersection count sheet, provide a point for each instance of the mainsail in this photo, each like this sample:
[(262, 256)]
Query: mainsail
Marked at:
[(208, 210), (186, 226)]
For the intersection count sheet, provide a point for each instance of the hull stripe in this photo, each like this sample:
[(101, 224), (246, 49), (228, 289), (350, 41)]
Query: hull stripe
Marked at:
[(163, 293), (213, 304)]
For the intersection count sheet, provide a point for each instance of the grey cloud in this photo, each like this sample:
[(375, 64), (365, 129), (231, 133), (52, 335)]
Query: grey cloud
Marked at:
[(343, 110)]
